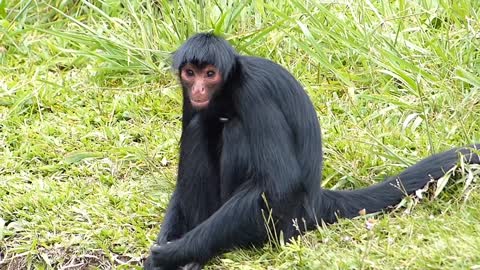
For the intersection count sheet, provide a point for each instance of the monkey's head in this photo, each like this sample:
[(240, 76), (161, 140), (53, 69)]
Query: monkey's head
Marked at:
[(204, 64), (200, 83)]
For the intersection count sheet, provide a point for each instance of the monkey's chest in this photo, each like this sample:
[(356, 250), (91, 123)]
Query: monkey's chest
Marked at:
[(234, 156)]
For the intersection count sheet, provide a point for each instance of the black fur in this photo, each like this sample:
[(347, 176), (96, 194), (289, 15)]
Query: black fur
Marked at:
[(259, 138)]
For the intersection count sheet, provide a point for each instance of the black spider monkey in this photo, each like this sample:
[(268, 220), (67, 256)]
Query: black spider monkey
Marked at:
[(251, 141)]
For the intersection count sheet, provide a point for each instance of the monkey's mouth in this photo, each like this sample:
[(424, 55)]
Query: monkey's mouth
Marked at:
[(200, 103)]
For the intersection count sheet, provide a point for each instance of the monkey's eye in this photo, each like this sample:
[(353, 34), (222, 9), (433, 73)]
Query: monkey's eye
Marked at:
[(189, 72), (210, 73)]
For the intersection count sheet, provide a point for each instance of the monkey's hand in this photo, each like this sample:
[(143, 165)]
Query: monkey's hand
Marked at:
[(169, 256), (148, 264), (192, 266)]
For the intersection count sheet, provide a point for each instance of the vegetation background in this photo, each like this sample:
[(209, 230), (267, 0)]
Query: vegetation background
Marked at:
[(90, 124)]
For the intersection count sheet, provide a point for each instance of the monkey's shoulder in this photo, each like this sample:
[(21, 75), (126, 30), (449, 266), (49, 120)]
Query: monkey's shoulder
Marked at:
[(261, 66), (266, 79)]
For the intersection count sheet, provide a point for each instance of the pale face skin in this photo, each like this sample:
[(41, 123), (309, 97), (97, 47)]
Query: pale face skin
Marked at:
[(201, 83)]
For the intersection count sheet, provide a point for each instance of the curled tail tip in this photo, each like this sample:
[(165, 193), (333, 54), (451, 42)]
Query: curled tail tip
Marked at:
[(390, 192)]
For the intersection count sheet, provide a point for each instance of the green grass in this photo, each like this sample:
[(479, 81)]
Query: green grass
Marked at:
[(90, 123)]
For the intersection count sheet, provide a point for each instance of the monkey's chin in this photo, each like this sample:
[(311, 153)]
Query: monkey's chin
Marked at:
[(199, 105)]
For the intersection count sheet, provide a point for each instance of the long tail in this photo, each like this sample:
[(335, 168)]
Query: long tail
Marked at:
[(347, 204)]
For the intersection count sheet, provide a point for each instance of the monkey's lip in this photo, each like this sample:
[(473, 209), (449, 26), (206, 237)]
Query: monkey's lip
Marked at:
[(199, 103)]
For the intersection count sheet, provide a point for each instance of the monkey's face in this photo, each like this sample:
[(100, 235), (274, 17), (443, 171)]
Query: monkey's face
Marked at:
[(201, 83)]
